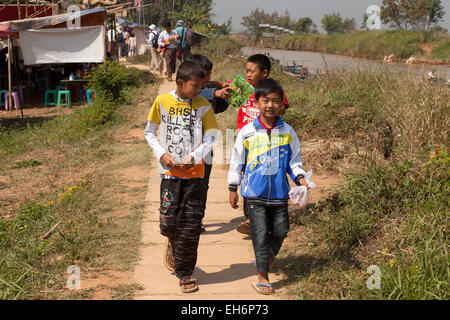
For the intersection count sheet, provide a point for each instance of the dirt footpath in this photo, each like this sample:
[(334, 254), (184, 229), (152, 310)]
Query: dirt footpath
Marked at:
[(224, 267)]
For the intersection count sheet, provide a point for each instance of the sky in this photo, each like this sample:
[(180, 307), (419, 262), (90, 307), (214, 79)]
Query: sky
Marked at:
[(315, 9)]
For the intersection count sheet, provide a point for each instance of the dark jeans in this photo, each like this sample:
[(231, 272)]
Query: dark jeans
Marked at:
[(270, 225), (208, 168), (181, 215)]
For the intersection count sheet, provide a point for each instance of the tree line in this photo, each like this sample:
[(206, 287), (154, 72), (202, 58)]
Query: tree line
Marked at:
[(417, 15)]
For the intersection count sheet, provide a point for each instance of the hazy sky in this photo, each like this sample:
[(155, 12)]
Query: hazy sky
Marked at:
[(315, 9)]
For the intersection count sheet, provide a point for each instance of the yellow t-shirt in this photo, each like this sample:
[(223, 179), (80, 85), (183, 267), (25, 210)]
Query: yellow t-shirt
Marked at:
[(182, 124)]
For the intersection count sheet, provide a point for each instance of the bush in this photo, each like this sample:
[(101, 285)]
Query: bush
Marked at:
[(108, 80)]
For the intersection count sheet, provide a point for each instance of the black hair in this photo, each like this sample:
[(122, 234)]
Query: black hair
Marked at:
[(188, 70), (266, 87), (168, 24), (262, 61), (203, 61)]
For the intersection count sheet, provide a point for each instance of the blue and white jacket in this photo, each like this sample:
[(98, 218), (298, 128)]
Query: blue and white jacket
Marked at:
[(265, 159)]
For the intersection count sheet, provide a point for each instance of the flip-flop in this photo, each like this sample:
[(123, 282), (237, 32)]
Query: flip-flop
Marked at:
[(169, 259), (187, 282), (257, 285), (244, 228)]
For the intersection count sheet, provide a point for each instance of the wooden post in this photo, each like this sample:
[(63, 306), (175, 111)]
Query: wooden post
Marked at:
[(18, 10), (10, 54)]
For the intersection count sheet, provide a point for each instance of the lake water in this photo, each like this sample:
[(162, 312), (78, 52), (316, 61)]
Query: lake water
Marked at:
[(315, 61)]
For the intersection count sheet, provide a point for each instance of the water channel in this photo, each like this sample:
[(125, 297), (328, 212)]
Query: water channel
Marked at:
[(316, 61)]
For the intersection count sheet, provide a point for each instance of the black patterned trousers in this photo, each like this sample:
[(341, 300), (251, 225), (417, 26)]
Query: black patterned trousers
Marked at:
[(181, 215)]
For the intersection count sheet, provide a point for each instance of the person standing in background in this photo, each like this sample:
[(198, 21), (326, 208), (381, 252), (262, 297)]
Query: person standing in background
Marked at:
[(156, 60), (168, 41), (185, 49)]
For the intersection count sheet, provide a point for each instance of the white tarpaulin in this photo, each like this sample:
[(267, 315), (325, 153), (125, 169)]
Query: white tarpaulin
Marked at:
[(60, 45)]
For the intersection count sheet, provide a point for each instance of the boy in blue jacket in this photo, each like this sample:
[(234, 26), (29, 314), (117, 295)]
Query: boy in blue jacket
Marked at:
[(266, 150)]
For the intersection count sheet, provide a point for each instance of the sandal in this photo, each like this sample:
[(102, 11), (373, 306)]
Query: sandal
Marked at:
[(185, 283), (257, 285), (169, 259), (244, 228)]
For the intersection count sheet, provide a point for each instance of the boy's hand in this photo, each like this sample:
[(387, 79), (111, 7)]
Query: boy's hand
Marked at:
[(187, 163), (223, 93), (218, 85), (167, 160), (303, 182), (234, 198)]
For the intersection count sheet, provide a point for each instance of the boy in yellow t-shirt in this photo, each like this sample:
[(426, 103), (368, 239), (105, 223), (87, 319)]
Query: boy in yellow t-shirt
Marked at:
[(187, 133)]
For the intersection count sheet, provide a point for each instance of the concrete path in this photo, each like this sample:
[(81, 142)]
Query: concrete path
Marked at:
[(224, 269)]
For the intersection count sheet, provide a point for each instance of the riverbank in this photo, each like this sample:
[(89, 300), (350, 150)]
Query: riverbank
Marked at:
[(433, 49)]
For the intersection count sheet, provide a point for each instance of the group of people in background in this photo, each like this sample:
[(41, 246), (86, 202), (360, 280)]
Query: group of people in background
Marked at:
[(127, 43), (167, 46)]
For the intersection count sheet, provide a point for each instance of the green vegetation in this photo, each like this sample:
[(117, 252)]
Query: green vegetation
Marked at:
[(370, 44), (26, 163), (442, 50), (69, 222)]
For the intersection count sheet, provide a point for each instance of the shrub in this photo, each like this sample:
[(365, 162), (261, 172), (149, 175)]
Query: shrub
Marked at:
[(108, 80)]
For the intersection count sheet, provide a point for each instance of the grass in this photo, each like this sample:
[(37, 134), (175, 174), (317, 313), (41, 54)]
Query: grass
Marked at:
[(387, 136), (78, 185), (370, 44), (442, 50)]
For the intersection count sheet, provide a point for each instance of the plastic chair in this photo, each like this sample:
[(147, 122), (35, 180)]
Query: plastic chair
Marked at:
[(88, 95), (22, 92), (67, 102), (46, 101), (60, 88), (2, 100), (15, 96)]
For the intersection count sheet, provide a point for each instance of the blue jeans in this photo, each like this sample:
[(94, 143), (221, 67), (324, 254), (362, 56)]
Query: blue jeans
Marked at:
[(269, 225)]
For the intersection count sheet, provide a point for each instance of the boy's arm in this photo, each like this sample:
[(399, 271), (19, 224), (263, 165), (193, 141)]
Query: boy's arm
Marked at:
[(209, 125), (295, 165), (237, 164), (150, 133)]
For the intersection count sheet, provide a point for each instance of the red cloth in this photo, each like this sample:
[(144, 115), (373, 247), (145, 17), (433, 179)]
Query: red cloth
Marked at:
[(249, 112)]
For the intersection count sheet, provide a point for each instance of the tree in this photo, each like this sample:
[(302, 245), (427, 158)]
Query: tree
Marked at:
[(222, 29), (414, 15), (333, 23), (254, 19), (257, 17), (364, 23), (304, 25)]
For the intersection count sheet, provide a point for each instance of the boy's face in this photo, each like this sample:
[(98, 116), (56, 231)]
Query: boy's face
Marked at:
[(189, 89), (270, 106), (254, 74), (207, 78)]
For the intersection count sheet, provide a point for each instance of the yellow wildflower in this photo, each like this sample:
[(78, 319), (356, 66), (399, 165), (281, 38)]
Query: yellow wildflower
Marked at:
[(391, 263)]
